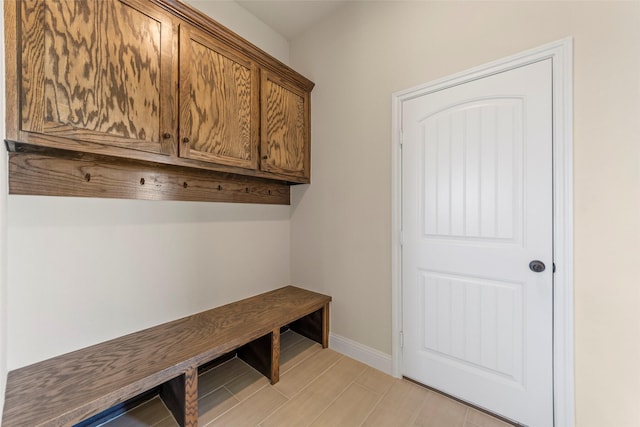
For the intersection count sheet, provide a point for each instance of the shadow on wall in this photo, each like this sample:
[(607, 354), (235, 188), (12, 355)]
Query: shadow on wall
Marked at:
[(70, 211), (297, 195)]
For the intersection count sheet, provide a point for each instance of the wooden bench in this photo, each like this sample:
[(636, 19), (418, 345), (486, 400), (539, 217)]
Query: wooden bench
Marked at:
[(67, 389)]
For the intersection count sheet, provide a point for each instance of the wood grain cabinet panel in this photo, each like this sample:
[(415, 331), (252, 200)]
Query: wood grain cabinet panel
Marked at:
[(218, 101), (97, 71), (138, 85), (285, 128)]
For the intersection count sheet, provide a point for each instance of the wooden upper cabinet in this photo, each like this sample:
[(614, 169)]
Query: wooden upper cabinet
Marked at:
[(97, 71), (285, 130), (219, 102), (135, 87)]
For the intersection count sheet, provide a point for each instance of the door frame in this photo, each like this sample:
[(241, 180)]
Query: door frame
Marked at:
[(561, 54)]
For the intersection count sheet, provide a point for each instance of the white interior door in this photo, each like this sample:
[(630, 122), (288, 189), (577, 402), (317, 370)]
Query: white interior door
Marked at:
[(476, 210)]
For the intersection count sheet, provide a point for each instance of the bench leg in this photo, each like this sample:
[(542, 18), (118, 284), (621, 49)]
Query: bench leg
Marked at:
[(325, 326), (191, 398), (181, 397), (275, 356), (263, 354)]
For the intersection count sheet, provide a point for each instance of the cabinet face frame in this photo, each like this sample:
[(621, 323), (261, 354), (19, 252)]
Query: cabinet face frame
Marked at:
[(270, 161), (224, 85), (33, 85)]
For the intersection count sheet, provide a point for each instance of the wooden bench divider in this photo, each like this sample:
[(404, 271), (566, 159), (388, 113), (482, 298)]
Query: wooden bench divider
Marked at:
[(73, 387)]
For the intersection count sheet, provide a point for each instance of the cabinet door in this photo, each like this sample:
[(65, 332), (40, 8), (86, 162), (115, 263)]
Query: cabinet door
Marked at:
[(285, 128), (219, 103), (97, 71)]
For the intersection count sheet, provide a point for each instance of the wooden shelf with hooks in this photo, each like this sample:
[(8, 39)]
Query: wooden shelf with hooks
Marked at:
[(53, 172)]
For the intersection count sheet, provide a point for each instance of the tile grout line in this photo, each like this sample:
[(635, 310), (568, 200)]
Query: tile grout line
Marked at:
[(165, 418), (201, 396), (208, 371), (371, 388), (281, 394), (169, 415), (373, 408), (331, 403), (299, 362), (232, 395), (382, 396), (304, 388), (466, 415), (336, 398), (318, 376), (419, 408), (275, 410)]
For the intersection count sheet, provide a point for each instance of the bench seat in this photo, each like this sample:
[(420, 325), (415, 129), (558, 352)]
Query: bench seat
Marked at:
[(67, 389)]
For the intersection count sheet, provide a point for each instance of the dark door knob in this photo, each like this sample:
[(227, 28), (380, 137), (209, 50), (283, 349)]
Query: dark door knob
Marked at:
[(537, 266)]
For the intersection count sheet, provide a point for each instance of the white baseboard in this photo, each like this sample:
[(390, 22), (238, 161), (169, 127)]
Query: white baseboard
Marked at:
[(367, 355)]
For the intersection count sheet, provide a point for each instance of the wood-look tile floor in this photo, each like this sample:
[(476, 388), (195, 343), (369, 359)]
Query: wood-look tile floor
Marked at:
[(317, 388)]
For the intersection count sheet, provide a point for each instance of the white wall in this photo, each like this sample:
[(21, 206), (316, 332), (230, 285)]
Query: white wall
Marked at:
[(81, 271), (341, 224), (85, 270)]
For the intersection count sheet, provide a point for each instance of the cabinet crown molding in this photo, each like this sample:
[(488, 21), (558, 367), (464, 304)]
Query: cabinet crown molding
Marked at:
[(209, 25)]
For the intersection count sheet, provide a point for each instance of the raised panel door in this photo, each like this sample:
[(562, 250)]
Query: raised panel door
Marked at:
[(477, 209), (219, 102), (97, 71), (285, 129)]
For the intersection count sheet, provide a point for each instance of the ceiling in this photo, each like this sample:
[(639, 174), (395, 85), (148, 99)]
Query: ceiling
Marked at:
[(291, 17)]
